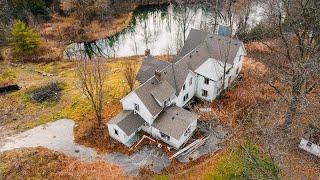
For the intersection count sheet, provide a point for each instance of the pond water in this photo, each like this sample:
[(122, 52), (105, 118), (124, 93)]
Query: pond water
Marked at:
[(158, 28)]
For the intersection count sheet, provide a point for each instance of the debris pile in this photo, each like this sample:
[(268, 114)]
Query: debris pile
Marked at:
[(51, 92)]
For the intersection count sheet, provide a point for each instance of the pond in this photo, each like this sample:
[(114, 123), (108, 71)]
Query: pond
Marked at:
[(158, 28)]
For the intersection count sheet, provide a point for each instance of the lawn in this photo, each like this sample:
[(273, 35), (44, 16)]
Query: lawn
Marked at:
[(19, 112)]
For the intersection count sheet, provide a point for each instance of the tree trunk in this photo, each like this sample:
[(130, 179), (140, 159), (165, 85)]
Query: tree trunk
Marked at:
[(297, 83)]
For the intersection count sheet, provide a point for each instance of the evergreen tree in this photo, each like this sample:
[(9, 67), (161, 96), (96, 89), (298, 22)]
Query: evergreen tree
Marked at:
[(24, 40)]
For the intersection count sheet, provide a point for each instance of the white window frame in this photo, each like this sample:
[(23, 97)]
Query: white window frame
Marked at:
[(204, 93), (136, 108), (206, 80), (187, 131)]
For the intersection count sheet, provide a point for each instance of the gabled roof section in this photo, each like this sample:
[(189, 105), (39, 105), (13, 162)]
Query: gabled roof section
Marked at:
[(146, 97), (194, 38), (199, 47), (174, 121), (162, 91), (149, 65), (127, 121)]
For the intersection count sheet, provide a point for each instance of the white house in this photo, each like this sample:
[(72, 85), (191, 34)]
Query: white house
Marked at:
[(203, 66), (310, 142)]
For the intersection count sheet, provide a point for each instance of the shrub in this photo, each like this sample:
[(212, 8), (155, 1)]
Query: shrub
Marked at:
[(24, 40)]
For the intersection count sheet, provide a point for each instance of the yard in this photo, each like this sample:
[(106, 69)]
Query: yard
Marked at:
[(19, 112), (237, 110)]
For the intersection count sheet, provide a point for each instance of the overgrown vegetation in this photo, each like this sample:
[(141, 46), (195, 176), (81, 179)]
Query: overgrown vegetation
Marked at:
[(245, 162), (41, 163), (38, 163)]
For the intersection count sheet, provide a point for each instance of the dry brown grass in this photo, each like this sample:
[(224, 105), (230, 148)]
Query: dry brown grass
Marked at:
[(41, 163)]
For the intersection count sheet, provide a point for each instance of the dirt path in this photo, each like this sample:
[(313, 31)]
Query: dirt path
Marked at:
[(59, 136)]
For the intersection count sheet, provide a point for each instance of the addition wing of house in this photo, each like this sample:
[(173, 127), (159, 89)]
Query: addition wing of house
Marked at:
[(134, 103)]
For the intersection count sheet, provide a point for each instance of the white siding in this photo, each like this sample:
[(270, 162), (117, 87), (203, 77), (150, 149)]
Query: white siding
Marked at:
[(313, 149), (208, 87), (190, 90), (128, 104), (121, 136)]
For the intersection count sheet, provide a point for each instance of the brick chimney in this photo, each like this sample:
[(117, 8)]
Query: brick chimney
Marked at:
[(157, 74), (147, 52)]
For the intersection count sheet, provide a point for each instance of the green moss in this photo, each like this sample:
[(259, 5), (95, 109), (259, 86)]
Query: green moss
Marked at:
[(161, 177)]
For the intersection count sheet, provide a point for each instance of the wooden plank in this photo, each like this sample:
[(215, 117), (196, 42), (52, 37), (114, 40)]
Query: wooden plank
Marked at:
[(196, 147), (191, 148), (203, 140), (143, 137), (185, 148)]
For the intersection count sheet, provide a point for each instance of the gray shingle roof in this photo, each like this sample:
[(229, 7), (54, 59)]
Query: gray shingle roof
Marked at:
[(162, 91), (127, 121), (174, 121), (146, 97), (149, 65), (198, 48), (194, 38)]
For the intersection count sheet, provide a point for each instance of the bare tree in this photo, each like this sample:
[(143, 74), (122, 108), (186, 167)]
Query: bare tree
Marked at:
[(216, 15), (130, 71), (92, 76), (244, 9), (184, 16), (296, 65)]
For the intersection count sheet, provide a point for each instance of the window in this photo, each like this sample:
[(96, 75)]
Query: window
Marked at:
[(116, 132), (239, 58), (164, 136), (185, 97), (206, 80), (187, 131), (190, 81), (309, 144), (184, 87), (136, 107), (204, 93), (229, 80), (237, 71)]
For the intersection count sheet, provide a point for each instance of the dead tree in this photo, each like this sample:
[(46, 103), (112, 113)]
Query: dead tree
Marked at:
[(184, 16), (129, 73), (92, 75), (296, 65)]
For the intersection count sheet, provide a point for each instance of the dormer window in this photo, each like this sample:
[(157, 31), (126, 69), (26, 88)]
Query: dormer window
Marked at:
[(206, 81), (136, 107)]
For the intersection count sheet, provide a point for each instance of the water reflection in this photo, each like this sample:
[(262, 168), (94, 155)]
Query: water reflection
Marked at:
[(161, 29)]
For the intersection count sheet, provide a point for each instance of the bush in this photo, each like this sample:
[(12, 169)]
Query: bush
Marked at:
[(24, 40)]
